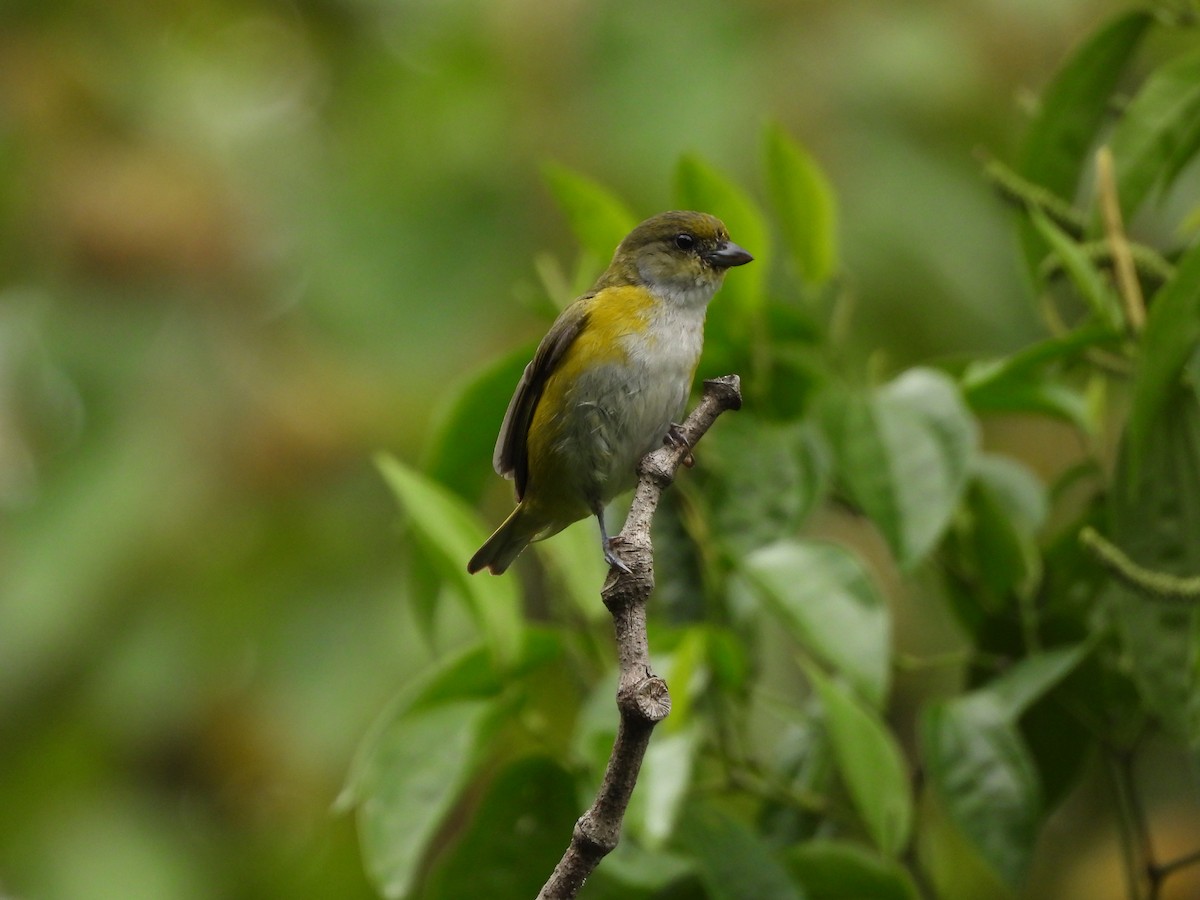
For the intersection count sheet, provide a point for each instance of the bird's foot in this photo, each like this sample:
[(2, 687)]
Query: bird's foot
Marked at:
[(675, 438), (614, 561)]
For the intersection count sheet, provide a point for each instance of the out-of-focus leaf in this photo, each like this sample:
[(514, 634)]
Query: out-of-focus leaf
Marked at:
[(468, 676), (1158, 131), (464, 432), (835, 870), (871, 765), (1075, 104), (663, 785), (1156, 521), (904, 453), (575, 563), (1006, 507), (448, 534), (805, 204), (631, 872), (701, 187), (514, 839), (1030, 679), (1071, 112), (732, 861), (598, 218), (1027, 382), (1171, 336), (769, 478), (981, 771), (823, 595), (1092, 287), (419, 767)]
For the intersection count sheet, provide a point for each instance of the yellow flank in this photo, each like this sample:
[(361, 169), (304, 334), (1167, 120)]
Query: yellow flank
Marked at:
[(612, 314)]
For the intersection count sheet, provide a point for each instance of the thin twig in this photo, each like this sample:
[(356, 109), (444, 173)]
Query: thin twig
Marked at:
[(1156, 585), (642, 697), (1129, 288)]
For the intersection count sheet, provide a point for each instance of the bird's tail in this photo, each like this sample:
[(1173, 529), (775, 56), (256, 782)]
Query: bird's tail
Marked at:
[(506, 543)]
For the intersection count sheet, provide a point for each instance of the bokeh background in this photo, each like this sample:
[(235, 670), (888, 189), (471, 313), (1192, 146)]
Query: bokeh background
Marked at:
[(245, 245)]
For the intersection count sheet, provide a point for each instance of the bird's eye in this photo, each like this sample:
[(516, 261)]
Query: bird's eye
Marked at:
[(685, 241)]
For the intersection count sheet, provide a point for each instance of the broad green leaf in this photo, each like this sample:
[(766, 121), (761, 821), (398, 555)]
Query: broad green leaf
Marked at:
[(468, 675), (1156, 521), (700, 187), (1091, 285), (733, 862), (663, 785), (1171, 336), (420, 765), (950, 860), (1005, 508), (598, 218), (835, 870), (575, 564), (904, 453), (769, 477), (871, 765), (1157, 131), (631, 871), (1028, 380), (515, 837), (1075, 104), (447, 531), (979, 768), (1031, 679), (805, 204), (1072, 110), (825, 598), (464, 430)]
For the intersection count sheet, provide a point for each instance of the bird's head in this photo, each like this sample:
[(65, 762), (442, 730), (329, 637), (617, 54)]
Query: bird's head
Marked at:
[(680, 255)]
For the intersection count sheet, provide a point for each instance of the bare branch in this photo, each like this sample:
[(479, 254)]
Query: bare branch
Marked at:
[(642, 697)]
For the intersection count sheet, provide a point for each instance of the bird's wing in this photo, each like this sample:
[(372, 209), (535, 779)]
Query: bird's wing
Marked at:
[(510, 458)]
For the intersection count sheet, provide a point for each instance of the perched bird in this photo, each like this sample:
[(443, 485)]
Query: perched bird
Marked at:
[(608, 382)]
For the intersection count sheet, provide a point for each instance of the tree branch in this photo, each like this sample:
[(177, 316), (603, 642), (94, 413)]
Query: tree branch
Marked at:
[(642, 697)]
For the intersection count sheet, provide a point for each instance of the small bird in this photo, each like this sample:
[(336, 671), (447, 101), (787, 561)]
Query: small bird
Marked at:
[(608, 382)]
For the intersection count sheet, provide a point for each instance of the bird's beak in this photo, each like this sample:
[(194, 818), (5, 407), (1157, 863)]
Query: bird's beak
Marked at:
[(728, 254)]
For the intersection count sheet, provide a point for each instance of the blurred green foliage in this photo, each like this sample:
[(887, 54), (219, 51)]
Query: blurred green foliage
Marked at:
[(244, 247)]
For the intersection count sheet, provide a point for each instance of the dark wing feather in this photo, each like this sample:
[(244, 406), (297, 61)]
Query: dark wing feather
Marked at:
[(511, 457)]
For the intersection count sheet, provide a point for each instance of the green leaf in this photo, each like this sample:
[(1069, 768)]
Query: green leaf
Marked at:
[(904, 453), (1029, 380), (768, 478), (1031, 679), (1155, 521), (701, 187), (663, 785), (1071, 112), (1171, 336), (1005, 508), (575, 564), (447, 531), (835, 870), (1095, 291), (514, 839), (1075, 104), (805, 204), (468, 675), (1157, 131), (598, 218), (733, 862), (871, 765), (823, 595), (464, 430), (979, 768), (420, 765)]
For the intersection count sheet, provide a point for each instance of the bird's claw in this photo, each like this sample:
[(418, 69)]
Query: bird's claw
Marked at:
[(614, 561), (676, 438)]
